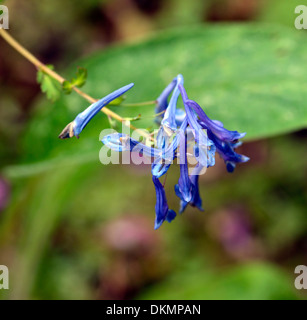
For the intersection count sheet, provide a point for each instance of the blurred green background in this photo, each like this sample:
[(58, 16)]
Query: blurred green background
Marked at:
[(71, 228)]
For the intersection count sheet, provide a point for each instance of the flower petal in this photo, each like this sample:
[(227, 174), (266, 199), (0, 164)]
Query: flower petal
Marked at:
[(83, 118), (213, 125), (184, 183), (162, 211), (196, 200), (169, 119), (162, 101), (205, 147)]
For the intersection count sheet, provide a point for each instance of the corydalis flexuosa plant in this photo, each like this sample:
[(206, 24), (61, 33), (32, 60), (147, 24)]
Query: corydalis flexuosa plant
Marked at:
[(179, 129)]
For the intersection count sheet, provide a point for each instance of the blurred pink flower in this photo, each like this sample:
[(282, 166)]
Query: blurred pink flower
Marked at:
[(4, 194)]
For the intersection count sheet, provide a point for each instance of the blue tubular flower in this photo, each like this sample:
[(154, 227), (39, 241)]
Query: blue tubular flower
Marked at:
[(215, 126), (162, 101), (75, 128), (162, 211), (209, 136), (169, 119), (121, 142), (184, 184), (226, 150), (195, 199), (223, 141), (168, 123), (168, 153), (205, 147)]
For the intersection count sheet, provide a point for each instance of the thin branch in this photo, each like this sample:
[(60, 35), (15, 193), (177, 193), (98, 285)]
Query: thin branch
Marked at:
[(40, 66)]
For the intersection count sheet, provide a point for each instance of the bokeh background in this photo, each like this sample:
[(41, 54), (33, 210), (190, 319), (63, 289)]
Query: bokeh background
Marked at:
[(75, 229)]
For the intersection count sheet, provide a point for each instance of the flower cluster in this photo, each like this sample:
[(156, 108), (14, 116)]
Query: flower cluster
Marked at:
[(179, 130)]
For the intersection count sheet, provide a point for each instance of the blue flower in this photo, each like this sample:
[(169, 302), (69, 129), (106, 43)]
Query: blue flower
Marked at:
[(162, 101), (169, 122), (223, 141), (75, 128), (184, 184), (122, 142), (205, 148), (178, 128), (215, 126), (169, 119), (162, 211), (163, 163), (195, 199), (226, 150)]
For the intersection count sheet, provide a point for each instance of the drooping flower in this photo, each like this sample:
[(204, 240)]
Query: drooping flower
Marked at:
[(215, 126), (162, 211), (226, 150), (204, 146), (162, 163), (196, 200), (224, 141), (122, 142), (162, 101), (178, 129), (75, 127), (184, 183), (169, 122)]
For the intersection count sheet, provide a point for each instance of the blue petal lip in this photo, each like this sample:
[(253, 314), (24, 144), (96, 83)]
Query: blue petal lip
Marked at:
[(171, 215), (244, 159), (226, 150), (159, 169), (230, 166)]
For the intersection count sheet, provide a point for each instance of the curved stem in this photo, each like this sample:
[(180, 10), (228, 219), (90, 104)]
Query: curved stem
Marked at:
[(40, 66), (138, 104)]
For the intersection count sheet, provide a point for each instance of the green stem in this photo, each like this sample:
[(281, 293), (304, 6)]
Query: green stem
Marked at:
[(138, 104), (40, 66)]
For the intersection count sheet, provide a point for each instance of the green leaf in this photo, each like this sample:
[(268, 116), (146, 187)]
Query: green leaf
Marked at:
[(251, 77), (252, 281), (280, 11), (253, 80), (118, 101), (67, 87), (79, 81), (48, 85), (81, 77)]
